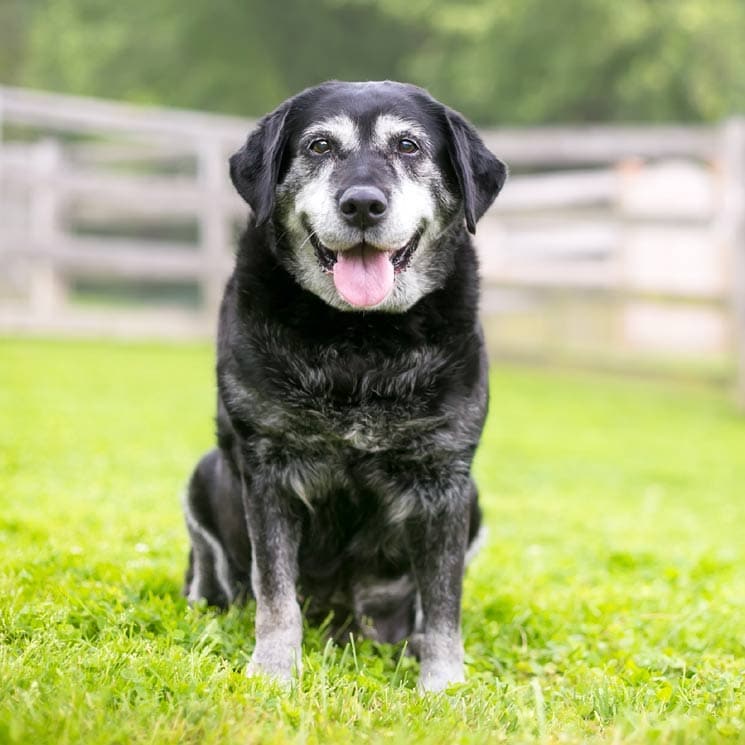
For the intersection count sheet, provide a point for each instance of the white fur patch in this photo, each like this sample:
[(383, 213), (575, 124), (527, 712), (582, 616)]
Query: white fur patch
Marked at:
[(222, 571), (341, 128), (388, 126), (477, 544)]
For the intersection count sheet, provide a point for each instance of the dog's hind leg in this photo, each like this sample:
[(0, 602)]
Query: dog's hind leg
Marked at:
[(385, 609), (211, 574)]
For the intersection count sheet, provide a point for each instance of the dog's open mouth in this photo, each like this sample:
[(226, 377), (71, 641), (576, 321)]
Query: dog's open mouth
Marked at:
[(363, 274), (399, 259)]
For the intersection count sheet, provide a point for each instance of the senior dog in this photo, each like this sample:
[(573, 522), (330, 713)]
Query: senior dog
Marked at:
[(352, 377)]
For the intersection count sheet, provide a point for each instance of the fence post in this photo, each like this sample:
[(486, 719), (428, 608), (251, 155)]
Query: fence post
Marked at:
[(2, 140), (47, 290), (627, 172), (2, 121), (213, 227), (733, 161)]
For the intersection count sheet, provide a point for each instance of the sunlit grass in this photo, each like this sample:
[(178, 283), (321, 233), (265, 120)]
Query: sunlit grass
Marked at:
[(608, 604)]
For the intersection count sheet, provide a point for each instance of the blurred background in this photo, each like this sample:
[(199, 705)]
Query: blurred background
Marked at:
[(618, 242)]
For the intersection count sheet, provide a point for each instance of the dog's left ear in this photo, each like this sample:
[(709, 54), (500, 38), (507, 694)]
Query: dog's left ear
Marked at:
[(254, 169), (480, 174)]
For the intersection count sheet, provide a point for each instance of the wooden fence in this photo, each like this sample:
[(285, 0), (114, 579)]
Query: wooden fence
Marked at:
[(620, 246)]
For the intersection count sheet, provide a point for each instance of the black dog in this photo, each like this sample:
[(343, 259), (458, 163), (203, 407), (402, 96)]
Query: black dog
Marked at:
[(352, 377)]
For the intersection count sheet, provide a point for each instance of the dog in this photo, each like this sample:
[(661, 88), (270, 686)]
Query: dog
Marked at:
[(352, 378)]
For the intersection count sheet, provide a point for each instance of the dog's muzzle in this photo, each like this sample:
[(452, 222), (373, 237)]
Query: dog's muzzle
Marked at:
[(364, 274)]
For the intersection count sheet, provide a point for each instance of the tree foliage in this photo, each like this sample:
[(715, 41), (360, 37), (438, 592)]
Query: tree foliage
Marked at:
[(527, 61), (512, 61), (226, 55)]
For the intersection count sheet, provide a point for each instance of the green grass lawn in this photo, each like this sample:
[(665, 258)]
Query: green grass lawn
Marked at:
[(607, 606)]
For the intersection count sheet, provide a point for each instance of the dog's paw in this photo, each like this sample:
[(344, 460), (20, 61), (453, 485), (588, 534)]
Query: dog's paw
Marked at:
[(441, 661), (277, 660), (437, 676)]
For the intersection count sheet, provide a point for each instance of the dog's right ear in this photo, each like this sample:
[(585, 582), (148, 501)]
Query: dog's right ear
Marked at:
[(254, 169)]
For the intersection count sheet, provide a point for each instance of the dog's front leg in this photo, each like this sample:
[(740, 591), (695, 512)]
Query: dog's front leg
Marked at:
[(274, 534), (437, 544)]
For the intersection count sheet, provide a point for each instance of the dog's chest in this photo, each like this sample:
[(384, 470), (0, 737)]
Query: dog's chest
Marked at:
[(368, 402)]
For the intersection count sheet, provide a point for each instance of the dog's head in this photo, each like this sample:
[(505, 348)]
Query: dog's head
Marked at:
[(363, 183)]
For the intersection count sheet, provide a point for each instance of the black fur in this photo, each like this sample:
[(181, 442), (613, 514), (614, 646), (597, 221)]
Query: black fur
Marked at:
[(480, 175), (345, 439)]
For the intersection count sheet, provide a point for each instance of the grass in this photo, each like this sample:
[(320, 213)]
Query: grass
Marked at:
[(608, 605)]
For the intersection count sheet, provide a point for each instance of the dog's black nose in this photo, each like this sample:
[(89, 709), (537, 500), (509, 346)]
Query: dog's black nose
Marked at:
[(363, 206)]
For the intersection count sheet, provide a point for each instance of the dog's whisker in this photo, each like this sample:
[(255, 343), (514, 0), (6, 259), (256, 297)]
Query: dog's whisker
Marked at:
[(309, 237)]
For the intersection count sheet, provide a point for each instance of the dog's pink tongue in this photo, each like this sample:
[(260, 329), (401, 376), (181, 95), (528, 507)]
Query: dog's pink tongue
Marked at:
[(363, 276)]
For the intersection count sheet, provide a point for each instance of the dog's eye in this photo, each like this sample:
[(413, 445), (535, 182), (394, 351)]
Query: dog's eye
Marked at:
[(320, 147), (407, 147)]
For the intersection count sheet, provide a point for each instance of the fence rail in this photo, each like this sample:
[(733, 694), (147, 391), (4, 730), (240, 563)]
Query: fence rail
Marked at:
[(612, 244)]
